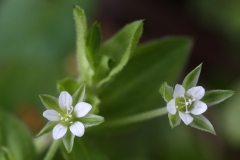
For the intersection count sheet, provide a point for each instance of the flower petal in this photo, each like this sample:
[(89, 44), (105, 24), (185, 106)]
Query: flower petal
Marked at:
[(65, 100), (196, 93), (82, 108), (178, 91), (51, 115), (186, 118), (171, 107), (77, 128), (199, 107), (59, 131)]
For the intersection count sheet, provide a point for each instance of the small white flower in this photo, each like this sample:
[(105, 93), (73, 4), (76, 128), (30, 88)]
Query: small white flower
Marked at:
[(67, 118), (187, 103)]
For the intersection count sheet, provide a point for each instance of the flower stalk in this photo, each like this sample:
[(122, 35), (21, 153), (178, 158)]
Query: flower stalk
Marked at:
[(52, 150), (136, 118)]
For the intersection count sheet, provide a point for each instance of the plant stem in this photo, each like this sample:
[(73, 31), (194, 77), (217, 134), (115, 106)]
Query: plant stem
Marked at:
[(137, 118), (52, 150)]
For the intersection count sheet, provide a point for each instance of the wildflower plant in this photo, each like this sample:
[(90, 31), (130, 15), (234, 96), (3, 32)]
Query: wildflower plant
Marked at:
[(117, 87), (68, 116), (187, 102)]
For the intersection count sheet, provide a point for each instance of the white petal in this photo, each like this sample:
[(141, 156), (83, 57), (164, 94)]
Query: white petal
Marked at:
[(77, 128), (186, 118), (178, 91), (82, 108), (51, 115), (171, 107), (65, 100), (59, 131), (199, 107), (196, 93)]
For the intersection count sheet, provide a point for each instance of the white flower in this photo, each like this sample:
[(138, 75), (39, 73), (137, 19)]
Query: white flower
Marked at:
[(67, 118), (187, 103)]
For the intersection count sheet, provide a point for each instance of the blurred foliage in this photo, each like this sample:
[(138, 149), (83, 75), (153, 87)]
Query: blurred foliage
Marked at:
[(15, 137), (35, 38)]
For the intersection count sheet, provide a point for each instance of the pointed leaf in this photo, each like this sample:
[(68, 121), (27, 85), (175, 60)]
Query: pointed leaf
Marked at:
[(50, 102), (15, 137), (166, 92), (78, 96), (202, 123), (93, 43), (67, 84), (47, 128), (84, 65), (174, 120), (68, 141), (214, 97), (7, 152), (91, 120), (119, 48), (137, 85), (192, 78)]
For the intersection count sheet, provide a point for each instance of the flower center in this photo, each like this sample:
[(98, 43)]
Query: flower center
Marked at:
[(183, 104), (67, 118)]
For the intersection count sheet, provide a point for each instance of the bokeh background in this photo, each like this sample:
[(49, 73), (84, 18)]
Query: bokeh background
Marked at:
[(37, 48)]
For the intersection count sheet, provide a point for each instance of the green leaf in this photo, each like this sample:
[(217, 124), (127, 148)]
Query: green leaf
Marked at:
[(119, 48), (93, 44), (202, 123), (84, 65), (67, 84), (91, 120), (50, 102), (78, 96), (192, 78), (214, 97), (47, 128), (68, 141), (15, 137), (166, 92), (136, 88), (7, 152), (174, 120)]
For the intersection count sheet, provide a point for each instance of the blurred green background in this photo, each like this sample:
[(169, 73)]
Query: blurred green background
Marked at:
[(37, 48)]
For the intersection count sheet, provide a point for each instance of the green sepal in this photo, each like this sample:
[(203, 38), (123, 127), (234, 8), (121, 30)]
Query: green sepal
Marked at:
[(214, 97), (91, 120), (5, 151), (78, 96), (202, 123), (174, 120), (166, 92), (68, 141), (119, 48), (93, 44), (67, 84), (192, 78), (47, 128), (84, 65), (50, 102)]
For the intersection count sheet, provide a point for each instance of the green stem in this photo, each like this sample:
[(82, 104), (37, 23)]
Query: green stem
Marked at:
[(137, 118), (52, 150)]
